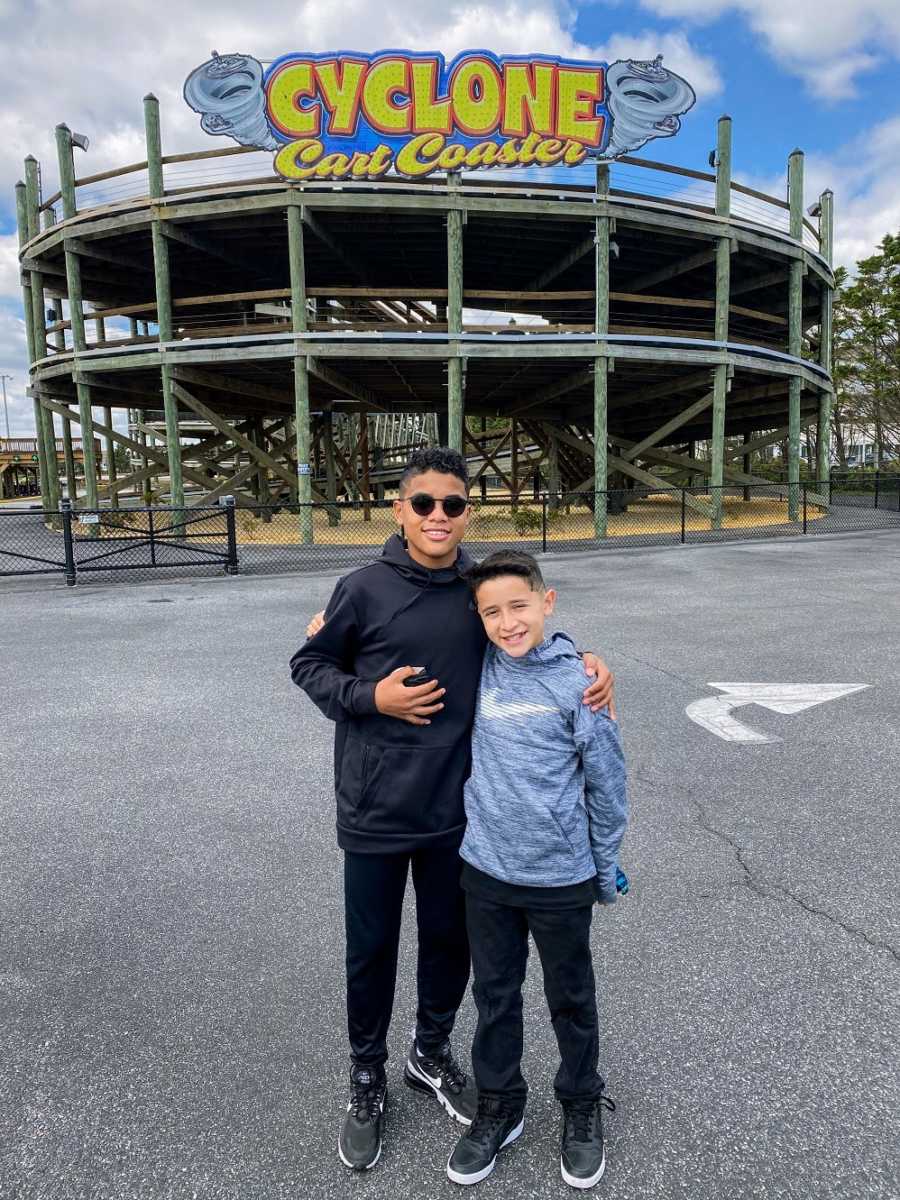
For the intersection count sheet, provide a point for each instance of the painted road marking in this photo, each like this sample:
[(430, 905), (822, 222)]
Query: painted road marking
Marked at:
[(714, 712)]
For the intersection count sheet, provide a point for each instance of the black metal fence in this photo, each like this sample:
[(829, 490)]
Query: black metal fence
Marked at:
[(288, 537)]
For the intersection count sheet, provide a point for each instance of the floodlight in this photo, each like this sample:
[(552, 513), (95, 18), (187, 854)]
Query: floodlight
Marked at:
[(814, 210), (712, 158), (81, 140)]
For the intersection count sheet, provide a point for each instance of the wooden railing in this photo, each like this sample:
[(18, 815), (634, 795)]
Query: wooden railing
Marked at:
[(575, 180)]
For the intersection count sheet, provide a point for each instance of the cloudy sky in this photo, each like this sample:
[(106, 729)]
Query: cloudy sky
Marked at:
[(819, 74)]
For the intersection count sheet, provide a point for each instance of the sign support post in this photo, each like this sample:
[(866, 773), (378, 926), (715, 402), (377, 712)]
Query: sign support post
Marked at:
[(301, 369), (723, 290), (795, 330), (601, 362), (455, 386)]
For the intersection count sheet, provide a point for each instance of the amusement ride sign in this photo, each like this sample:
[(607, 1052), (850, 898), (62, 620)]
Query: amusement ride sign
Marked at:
[(360, 116)]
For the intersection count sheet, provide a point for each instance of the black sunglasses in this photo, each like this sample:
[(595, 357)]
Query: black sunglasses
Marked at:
[(423, 504)]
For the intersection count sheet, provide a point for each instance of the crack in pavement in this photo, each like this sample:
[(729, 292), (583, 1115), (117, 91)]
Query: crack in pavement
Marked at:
[(772, 890)]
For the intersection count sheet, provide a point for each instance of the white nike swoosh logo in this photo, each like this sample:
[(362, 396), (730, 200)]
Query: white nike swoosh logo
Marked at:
[(434, 1082)]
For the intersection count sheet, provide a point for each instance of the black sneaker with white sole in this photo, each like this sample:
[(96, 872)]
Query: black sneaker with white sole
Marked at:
[(496, 1125), (359, 1144), (582, 1158), (441, 1076)]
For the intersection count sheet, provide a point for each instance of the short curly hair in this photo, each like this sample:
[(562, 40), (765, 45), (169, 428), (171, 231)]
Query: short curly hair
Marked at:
[(435, 458)]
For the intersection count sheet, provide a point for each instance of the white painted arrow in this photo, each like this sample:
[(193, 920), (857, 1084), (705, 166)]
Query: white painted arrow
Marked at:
[(714, 712)]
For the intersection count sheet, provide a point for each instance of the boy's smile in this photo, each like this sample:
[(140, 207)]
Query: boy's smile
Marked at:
[(513, 614)]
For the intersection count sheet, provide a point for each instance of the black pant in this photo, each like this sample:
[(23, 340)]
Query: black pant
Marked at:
[(498, 935), (373, 893)]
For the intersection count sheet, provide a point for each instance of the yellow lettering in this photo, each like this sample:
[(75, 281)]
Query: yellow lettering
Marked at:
[(382, 157), (288, 86), (549, 151), (333, 166), (409, 162), (577, 95), (341, 92), (485, 154), (574, 154), (386, 79), (475, 91), (289, 157), (528, 99), (429, 115)]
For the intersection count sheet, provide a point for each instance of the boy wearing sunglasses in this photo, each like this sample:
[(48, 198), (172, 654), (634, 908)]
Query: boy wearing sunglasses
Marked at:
[(395, 665)]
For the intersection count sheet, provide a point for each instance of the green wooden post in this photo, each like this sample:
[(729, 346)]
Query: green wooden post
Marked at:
[(76, 316), (723, 295), (455, 400), (46, 429), (334, 514), (111, 472), (163, 296), (601, 364), (795, 331), (28, 310), (69, 451), (300, 324), (823, 439), (66, 170)]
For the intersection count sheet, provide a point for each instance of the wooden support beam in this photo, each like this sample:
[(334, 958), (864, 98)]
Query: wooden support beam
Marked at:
[(341, 383), (691, 263), (576, 254), (202, 410), (628, 468), (196, 241), (670, 426), (96, 250)]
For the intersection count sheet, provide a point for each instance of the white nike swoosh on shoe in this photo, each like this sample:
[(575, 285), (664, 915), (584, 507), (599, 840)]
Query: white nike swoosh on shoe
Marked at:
[(417, 1070)]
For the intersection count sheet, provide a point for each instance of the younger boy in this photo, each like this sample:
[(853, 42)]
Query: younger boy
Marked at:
[(546, 810)]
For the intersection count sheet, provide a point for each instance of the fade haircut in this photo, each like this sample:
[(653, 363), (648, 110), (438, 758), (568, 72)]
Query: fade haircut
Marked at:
[(506, 562), (435, 458)]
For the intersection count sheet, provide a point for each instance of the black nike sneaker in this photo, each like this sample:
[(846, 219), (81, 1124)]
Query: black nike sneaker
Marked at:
[(582, 1158), (496, 1125), (442, 1077), (359, 1144)]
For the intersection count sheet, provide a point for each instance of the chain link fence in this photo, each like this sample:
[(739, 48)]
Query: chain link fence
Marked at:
[(277, 538)]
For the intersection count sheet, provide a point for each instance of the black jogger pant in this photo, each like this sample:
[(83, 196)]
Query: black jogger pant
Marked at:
[(373, 894), (498, 935)]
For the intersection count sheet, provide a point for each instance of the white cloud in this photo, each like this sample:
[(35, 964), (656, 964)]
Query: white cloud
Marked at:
[(829, 45), (678, 55), (864, 175)]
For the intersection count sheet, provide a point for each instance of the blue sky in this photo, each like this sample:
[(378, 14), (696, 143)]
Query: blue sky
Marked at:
[(823, 75)]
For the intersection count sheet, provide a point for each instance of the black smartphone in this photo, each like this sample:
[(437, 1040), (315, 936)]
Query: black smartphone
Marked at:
[(419, 678)]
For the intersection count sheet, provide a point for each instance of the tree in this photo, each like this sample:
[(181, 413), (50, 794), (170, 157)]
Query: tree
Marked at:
[(866, 361)]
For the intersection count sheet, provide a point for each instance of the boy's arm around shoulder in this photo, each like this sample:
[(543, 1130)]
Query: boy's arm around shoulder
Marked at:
[(598, 741), (323, 666)]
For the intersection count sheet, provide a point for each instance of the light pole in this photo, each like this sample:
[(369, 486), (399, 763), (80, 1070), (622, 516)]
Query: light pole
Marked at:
[(3, 379)]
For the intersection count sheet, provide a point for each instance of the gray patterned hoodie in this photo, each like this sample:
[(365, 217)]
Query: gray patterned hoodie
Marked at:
[(545, 803)]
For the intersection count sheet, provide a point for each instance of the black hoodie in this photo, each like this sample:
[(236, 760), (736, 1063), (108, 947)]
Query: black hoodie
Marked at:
[(398, 786)]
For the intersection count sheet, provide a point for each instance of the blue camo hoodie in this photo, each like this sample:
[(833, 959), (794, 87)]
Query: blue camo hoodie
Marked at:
[(546, 803)]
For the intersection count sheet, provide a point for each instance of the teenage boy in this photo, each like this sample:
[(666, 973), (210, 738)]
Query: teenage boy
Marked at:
[(401, 757), (546, 811)]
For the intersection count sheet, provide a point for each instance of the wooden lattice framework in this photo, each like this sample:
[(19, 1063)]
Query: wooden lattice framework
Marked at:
[(265, 309)]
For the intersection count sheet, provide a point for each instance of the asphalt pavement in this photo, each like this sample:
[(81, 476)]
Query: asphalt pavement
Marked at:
[(171, 1011)]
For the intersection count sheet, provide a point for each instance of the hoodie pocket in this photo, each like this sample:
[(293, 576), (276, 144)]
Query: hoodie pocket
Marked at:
[(410, 790), (562, 833)]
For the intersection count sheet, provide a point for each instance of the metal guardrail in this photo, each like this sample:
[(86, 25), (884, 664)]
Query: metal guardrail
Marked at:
[(279, 538)]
